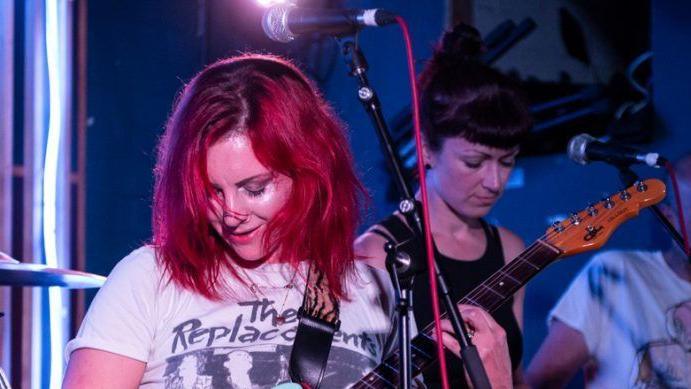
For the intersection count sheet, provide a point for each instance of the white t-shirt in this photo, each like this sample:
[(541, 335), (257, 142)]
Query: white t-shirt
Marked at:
[(188, 341), (635, 316)]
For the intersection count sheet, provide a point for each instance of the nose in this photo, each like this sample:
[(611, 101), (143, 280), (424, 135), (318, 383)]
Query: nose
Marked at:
[(233, 219), (493, 178), (234, 213)]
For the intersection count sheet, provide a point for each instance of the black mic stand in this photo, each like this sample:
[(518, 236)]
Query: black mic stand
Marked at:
[(404, 304), (357, 64), (629, 177)]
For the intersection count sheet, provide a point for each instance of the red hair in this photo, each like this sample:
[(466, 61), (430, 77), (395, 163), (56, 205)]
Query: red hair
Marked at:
[(294, 132)]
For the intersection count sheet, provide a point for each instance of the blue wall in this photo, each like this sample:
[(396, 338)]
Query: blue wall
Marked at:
[(671, 37)]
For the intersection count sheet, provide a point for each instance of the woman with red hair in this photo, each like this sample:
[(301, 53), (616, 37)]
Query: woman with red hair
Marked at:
[(255, 190)]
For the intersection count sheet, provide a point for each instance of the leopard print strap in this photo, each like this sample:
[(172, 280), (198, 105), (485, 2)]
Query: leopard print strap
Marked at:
[(319, 302)]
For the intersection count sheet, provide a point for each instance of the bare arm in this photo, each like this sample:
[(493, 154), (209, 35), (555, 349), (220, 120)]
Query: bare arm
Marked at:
[(560, 356), (98, 369), (369, 247)]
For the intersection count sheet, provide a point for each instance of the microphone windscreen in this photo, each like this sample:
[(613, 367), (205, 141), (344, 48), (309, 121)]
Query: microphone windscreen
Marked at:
[(275, 23), (576, 149)]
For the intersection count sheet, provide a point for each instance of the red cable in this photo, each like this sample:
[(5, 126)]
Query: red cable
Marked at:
[(425, 208), (680, 209)]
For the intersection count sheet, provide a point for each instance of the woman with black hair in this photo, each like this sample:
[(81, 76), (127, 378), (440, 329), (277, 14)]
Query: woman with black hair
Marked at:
[(473, 119)]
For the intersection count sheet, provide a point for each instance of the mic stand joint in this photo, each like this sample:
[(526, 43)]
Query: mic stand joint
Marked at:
[(356, 62)]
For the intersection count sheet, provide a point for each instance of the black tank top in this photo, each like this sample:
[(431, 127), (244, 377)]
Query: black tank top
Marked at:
[(462, 276)]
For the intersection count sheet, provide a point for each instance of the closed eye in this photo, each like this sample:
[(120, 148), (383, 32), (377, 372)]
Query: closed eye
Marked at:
[(216, 192), (508, 162), (257, 185), (255, 193)]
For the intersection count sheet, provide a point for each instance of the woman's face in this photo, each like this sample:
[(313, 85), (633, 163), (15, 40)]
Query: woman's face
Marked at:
[(469, 177), (247, 195)]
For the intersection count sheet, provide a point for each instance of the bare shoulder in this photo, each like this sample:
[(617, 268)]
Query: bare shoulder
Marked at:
[(512, 244), (369, 248)]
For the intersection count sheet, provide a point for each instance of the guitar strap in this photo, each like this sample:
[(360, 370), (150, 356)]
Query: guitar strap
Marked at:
[(318, 321)]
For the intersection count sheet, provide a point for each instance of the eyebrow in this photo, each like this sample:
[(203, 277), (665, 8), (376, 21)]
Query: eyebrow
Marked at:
[(475, 153), (256, 177)]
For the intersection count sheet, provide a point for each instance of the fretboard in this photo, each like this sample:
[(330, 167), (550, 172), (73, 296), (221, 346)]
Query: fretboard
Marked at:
[(490, 295)]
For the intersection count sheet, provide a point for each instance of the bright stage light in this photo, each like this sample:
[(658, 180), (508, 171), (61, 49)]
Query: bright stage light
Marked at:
[(54, 50), (271, 3)]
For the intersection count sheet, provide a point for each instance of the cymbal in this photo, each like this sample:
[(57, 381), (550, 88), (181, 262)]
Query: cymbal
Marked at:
[(6, 258), (33, 274)]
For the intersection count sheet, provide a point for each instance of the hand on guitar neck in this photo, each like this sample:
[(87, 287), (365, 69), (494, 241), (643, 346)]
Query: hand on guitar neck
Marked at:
[(490, 340)]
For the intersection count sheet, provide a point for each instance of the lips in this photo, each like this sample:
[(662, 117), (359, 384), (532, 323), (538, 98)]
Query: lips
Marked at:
[(486, 201), (243, 237)]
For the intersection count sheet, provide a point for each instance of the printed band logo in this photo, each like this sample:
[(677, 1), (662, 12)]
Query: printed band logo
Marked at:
[(255, 324)]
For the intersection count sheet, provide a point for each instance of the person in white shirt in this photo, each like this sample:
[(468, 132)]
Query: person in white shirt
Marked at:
[(626, 317), (255, 186)]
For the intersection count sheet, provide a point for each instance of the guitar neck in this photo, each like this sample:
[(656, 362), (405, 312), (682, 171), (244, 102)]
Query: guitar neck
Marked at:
[(505, 282), (490, 295), (580, 232)]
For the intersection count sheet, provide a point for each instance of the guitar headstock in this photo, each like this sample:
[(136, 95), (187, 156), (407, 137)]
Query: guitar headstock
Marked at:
[(590, 228)]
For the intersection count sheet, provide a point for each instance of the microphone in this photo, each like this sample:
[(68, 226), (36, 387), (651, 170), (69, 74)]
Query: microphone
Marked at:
[(282, 23), (584, 149)]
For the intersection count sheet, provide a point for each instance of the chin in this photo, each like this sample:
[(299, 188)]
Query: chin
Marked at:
[(250, 254), (478, 212)]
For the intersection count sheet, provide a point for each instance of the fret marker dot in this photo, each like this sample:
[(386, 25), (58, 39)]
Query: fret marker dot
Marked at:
[(501, 283)]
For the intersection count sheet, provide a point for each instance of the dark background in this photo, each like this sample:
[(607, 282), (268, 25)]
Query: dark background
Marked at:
[(141, 52)]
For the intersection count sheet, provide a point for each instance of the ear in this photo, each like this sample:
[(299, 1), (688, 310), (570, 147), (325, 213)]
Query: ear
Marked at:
[(428, 156)]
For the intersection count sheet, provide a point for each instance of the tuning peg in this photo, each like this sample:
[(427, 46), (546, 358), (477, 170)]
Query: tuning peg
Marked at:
[(641, 186)]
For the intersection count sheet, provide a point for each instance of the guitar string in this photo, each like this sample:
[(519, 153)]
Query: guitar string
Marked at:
[(602, 213), (534, 248), (478, 293), (512, 266), (515, 264), (389, 362)]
